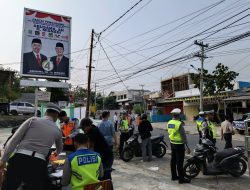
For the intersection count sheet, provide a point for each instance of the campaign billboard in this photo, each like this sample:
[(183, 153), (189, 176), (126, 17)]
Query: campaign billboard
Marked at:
[(45, 45)]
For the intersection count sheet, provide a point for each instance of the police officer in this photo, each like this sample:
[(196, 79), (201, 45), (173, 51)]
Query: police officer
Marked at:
[(32, 142), (83, 166), (124, 129), (208, 127), (178, 141), (69, 130), (199, 122)]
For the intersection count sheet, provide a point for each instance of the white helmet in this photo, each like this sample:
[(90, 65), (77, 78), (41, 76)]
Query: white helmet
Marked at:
[(176, 111), (202, 113)]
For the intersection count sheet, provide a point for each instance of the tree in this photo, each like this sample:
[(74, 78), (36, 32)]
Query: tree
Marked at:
[(220, 80), (138, 109), (110, 103)]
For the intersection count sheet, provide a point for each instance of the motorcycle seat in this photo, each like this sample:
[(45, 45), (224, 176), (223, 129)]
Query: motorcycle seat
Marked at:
[(226, 153), (155, 137)]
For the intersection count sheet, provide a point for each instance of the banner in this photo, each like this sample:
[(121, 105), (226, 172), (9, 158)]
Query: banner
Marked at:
[(45, 45), (43, 96)]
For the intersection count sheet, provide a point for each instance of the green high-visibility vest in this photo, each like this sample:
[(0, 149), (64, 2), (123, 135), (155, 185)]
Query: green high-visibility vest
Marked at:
[(124, 125), (85, 165), (174, 131), (212, 129)]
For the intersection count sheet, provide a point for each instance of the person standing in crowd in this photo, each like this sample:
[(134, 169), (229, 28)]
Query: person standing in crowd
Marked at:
[(124, 126), (178, 140), (32, 142), (82, 167), (98, 143), (69, 130), (115, 118), (108, 131), (208, 127), (145, 129), (199, 122), (227, 132)]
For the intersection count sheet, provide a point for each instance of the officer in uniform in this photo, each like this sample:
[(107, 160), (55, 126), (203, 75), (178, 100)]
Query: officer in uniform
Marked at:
[(124, 126), (69, 130), (208, 127), (31, 142), (199, 121), (178, 141), (83, 166)]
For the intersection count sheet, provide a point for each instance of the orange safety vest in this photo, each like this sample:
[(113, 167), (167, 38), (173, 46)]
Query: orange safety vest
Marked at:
[(67, 129)]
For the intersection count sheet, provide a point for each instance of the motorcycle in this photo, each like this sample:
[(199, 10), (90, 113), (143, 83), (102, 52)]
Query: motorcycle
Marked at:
[(133, 147), (230, 161)]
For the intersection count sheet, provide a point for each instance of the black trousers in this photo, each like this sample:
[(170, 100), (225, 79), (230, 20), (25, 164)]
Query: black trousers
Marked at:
[(116, 125), (123, 138), (177, 159), (228, 140), (200, 136), (28, 170)]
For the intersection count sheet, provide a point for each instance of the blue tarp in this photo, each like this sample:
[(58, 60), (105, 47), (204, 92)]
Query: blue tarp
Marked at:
[(163, 118)]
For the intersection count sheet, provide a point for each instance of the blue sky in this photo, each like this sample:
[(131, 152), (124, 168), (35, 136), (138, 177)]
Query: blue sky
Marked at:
[(98, 14)]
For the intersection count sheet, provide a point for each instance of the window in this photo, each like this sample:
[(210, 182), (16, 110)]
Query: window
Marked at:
[(20, 104), (125, 96), (14, 104), (29, 105)]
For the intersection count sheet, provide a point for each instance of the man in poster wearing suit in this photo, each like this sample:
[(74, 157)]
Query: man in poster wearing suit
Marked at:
[(61, 63), (32, 61)]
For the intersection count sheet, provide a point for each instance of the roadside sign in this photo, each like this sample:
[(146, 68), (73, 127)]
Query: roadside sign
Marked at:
[(43, 96)]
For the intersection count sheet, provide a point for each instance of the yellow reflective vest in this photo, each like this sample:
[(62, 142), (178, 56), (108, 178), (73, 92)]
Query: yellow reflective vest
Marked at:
[(85, 165), (173, 128)]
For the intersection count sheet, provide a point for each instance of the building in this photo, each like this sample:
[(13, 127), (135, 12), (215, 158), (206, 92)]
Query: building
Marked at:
[(127, 98)]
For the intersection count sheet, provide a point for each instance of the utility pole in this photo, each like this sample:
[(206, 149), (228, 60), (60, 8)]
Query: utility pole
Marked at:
[(89, 73), (142, 85), (95, 94), (202, 57), (103, 101)]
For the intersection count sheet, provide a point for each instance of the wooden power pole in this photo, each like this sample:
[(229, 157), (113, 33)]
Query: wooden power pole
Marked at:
[(202, 57), (89, 74)]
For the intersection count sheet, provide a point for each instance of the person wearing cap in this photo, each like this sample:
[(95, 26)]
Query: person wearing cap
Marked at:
[(178, 140), (208, 127), (69, 131), (82, 167), (98, 143), (61, 63), (31, 145), (124, 129), (32, 61), (199, 121)]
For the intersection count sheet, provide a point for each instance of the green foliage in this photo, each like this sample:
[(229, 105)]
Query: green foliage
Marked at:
[(110, 103), (138, 109), (221, 79)]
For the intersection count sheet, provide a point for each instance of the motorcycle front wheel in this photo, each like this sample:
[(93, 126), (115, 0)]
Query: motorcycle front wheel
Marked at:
[(127, 154), (239, 169), (191, 169), (161, 151)]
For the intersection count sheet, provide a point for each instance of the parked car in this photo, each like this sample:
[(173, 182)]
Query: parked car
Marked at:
[(21, 108), (239, 124)]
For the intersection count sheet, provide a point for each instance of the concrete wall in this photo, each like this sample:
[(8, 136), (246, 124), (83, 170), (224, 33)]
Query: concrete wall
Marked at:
[(190, 112)]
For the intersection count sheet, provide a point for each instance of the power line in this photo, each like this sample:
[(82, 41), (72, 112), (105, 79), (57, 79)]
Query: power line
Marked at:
[(112, 65), (120, 17)]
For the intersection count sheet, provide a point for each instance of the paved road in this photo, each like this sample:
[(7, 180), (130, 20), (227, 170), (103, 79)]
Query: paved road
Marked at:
[(193, 140)]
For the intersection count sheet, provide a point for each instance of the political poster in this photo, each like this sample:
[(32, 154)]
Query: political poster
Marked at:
[(45, 45)]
